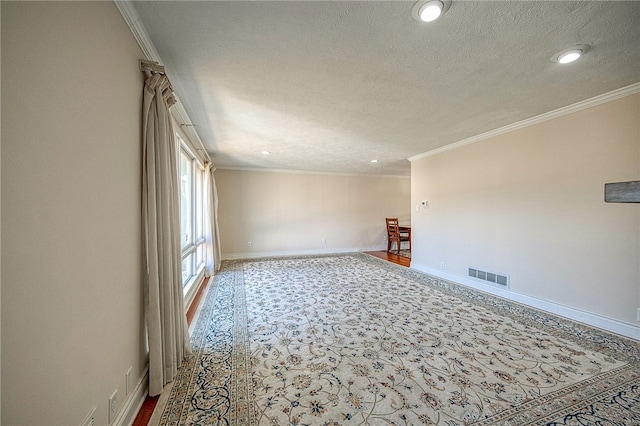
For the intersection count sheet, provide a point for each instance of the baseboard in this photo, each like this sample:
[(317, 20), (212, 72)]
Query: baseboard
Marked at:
[(255, 255), (134, 402), (604, 323)]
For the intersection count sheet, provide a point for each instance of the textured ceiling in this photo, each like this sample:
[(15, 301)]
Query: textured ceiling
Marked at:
[(329, 86)]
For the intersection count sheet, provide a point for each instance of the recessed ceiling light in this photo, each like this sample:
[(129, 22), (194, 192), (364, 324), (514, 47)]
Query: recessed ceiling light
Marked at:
[(373, 161), (429, 11), (266, 152), (571, 54)]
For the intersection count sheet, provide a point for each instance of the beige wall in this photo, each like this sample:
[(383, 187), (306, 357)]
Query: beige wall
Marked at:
[(72, 318), (530, 203), (289, 213)]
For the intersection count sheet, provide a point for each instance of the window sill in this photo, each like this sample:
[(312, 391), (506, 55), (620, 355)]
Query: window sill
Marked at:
[(190, 290)]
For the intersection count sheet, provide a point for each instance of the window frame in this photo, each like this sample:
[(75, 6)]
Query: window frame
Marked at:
[(190, 251)]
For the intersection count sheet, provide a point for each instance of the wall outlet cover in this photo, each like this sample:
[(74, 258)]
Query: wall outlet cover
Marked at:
[(128, 380), (113, 405), (90, 420)]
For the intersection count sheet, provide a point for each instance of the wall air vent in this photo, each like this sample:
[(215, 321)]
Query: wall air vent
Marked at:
[(499, 279)]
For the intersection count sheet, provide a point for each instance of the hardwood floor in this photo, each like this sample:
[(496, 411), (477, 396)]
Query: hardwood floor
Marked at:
[(193, 308), (146, 411), (391, 257)]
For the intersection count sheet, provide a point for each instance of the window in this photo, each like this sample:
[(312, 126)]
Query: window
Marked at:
[(191, 215)]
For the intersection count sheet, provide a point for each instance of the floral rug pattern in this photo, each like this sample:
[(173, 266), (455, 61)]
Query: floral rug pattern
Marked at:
[(353, 340)]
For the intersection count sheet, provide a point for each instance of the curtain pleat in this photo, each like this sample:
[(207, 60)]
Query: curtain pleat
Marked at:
[(167, 330), (212, 233)]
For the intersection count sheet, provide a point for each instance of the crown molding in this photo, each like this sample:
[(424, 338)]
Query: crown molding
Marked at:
[(309, 172), (569, 109), (130, 16), (179, 113)]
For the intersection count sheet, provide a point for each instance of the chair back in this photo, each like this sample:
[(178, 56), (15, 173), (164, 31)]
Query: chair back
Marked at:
[(393, 228)]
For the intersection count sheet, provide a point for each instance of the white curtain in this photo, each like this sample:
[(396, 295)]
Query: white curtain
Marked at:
[(212, 234), (162, 266)]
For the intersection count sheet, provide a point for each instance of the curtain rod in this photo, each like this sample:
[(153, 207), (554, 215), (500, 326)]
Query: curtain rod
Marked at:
[(149, 68), (152, 66)]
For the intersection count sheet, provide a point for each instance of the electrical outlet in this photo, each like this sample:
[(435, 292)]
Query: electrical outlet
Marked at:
[(90, 420), (113, 404), (248, 243), (324, 241), (442, 265), (128, 380)]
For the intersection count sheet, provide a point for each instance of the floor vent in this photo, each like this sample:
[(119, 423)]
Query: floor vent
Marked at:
[(492, 277)]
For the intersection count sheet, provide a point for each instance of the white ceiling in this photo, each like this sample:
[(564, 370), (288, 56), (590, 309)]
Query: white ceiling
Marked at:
[(329, 86)]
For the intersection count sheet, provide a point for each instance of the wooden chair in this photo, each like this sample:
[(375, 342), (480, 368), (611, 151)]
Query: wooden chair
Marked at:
[(395, 235)]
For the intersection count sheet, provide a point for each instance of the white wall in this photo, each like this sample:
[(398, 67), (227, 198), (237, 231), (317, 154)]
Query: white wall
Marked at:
[(72, 316), (291, 213), (530, 203)]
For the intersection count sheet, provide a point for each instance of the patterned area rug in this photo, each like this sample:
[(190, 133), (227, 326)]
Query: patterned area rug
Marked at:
[(354, 340)]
